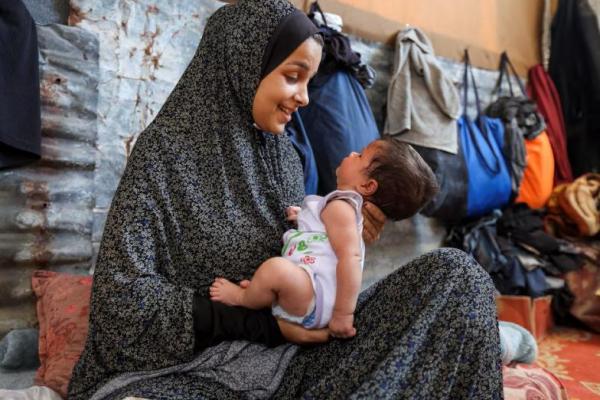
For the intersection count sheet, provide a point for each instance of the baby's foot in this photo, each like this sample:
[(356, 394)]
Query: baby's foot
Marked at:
[(226, 292)]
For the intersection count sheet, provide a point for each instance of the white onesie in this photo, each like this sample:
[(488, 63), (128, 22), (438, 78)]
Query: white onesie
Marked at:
[(309, 248)]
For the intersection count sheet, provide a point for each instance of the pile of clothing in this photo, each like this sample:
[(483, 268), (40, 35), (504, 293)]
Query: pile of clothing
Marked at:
[(574, 208), (521, 258)]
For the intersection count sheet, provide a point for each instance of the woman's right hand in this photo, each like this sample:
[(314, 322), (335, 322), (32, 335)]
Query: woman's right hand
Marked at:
[(297, 334), (374, 220)]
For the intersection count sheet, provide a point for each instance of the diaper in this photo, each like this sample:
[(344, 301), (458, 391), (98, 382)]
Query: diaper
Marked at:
[(306, 320)]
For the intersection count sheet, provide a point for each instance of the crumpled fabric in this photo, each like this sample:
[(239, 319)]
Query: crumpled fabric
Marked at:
[(574, 209), (521, 122), (338, 53)]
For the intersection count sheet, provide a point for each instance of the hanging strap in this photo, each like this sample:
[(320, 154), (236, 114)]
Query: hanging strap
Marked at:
[(497, 90), (469, 72), (493, 169), (314, 8), (504, 72), (515, 75)]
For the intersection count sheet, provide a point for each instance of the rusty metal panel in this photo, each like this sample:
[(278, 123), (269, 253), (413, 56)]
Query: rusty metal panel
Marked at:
[(46, 207)]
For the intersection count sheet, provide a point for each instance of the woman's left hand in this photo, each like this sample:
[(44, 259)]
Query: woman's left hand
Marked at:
[(374, 220)]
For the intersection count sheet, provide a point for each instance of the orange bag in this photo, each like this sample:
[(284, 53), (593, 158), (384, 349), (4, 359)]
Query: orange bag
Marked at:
[(538, 178)]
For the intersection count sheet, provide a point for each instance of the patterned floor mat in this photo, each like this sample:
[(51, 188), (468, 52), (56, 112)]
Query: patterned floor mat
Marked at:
[(574, 357)]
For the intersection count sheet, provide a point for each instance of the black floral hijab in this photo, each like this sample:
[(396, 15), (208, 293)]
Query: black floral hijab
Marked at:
[(203, 195)]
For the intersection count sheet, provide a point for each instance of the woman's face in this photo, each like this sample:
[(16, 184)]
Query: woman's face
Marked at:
[(281, 92)]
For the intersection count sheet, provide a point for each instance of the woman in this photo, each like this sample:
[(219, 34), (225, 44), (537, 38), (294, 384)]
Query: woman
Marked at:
[(204, 195)]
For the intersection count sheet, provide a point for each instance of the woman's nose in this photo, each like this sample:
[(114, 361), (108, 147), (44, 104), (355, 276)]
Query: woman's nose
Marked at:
[(302, 96)]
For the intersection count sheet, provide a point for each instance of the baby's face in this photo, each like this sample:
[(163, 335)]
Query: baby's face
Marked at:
[(352, 172)]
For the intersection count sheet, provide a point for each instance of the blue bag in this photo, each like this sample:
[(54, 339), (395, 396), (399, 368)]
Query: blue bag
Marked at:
[(297, 134), (338, 120), (481, 143), (449, 205)]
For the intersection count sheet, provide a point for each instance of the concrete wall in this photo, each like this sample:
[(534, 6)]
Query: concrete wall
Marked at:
[(487, 28)]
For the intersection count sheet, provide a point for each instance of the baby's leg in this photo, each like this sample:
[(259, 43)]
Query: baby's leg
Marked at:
[(276, 279)]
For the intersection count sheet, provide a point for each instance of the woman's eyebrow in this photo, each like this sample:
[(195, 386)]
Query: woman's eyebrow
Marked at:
[(300, 64)]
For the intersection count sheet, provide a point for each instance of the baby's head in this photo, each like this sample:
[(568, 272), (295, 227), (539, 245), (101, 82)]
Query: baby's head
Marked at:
[(391, 175)]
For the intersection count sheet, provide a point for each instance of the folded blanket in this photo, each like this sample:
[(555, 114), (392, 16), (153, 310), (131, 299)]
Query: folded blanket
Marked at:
[(574, 208), (581, 201), (32, 393)]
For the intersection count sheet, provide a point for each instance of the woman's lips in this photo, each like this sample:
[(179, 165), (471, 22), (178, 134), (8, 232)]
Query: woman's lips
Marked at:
[(287, 113)]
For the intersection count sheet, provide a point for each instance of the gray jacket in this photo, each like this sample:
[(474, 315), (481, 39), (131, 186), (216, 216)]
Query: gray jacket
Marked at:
[(423, 102)]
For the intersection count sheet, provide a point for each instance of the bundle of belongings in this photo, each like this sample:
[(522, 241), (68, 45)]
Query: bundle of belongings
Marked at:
[(337, 52), (527, 147), (521, 258)]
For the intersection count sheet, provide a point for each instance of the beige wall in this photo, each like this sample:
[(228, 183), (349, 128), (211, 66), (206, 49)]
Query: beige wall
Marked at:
[(486, 27)]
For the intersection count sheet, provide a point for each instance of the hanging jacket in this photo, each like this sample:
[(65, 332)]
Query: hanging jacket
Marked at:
[(575, 69), (422, 102), (542, 90), (20, 121)]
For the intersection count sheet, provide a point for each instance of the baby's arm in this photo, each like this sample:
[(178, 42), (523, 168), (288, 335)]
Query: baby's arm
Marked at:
[(339, 218)]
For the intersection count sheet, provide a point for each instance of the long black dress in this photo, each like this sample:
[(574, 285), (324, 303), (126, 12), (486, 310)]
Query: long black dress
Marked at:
[(204, 195)]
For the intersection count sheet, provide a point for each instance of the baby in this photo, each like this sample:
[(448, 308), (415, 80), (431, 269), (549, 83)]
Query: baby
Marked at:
[(317, 279)]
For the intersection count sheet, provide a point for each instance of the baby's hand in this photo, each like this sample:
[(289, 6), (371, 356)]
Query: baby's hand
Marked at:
[(292, 213), (341, 326)]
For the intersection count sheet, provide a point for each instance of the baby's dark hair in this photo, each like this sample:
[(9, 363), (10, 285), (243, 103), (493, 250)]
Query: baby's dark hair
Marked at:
[(405, 181)]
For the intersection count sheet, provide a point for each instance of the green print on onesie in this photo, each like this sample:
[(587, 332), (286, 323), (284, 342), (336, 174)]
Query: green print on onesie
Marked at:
[(303, 245)]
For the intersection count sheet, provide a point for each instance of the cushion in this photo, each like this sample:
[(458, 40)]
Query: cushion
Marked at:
[(525, 382), (62, 310)]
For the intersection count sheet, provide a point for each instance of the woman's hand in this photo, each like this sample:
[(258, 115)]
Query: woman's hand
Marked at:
[(374, 220), (297, 334)]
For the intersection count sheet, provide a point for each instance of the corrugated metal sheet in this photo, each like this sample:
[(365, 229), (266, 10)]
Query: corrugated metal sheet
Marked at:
[(46, 208), (48, 11)]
